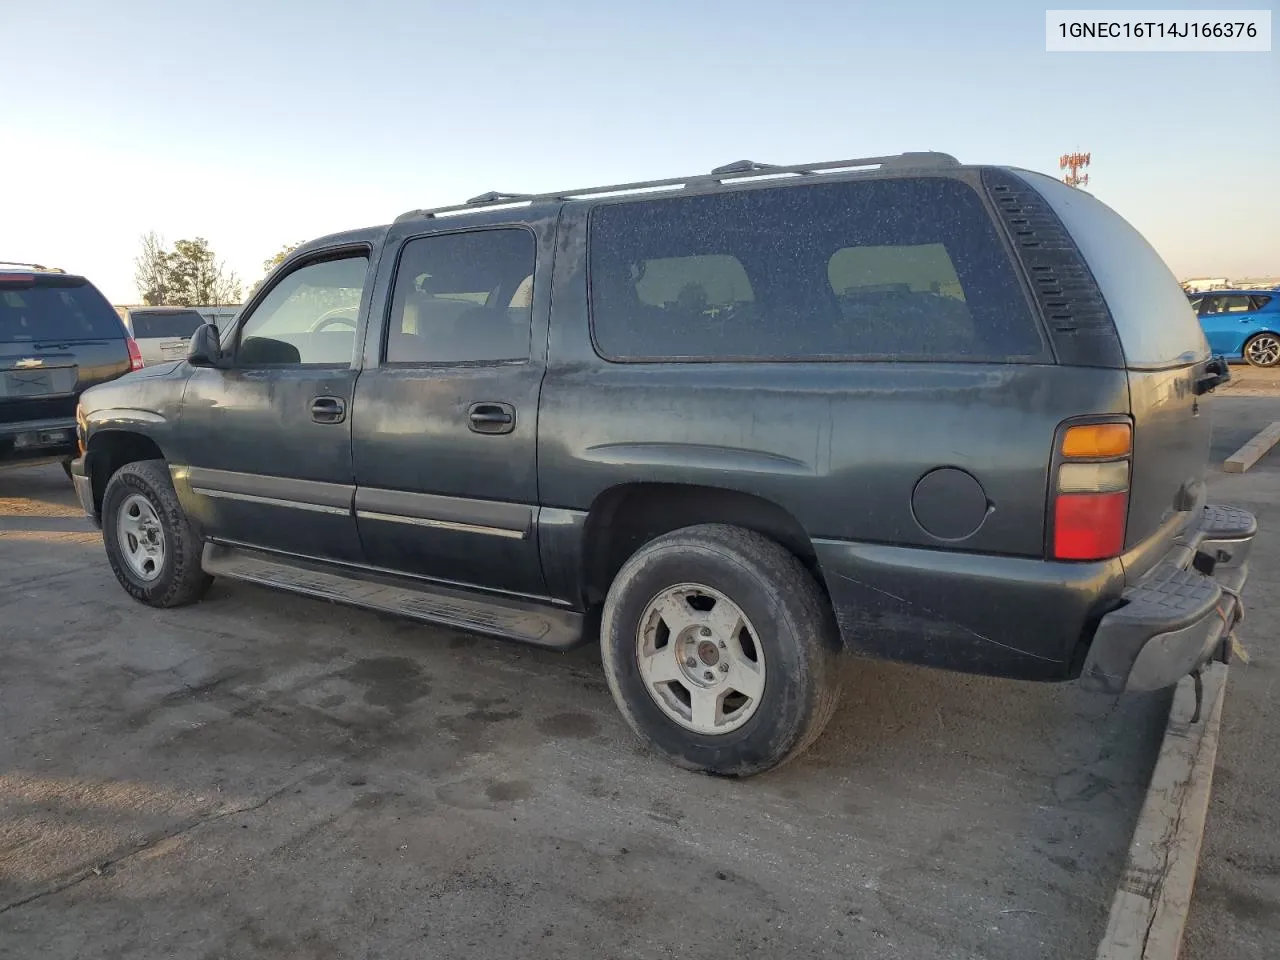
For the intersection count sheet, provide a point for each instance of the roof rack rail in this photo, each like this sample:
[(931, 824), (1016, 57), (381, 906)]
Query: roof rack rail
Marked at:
[(33, 266), (497, 196), (738, 170)]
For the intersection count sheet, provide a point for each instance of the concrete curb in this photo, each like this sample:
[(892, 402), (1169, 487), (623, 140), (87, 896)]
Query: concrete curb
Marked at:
[(1254, 450), (1150, 907)]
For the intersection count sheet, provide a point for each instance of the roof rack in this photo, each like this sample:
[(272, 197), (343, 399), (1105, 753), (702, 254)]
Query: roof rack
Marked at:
[(33, 266), (738, 170)]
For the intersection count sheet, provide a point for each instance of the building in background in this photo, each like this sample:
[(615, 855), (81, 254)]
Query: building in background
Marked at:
[(1200, 284)]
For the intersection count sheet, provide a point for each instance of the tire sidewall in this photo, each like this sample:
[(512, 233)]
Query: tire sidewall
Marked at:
[(780, 718), (1250, 361), (120, 487)]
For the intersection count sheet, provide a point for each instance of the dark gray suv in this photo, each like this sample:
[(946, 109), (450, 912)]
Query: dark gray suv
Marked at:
[(945, 414), (58, 337)]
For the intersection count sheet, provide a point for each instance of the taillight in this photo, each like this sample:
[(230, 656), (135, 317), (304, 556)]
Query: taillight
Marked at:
[(1091, 491), (135, 355)]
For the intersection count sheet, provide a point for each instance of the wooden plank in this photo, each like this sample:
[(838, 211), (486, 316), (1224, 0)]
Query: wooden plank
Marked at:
[(1253, 451)]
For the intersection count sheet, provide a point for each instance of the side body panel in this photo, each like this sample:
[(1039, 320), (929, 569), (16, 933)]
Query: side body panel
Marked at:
[(842, 447), (146, 403), (1165, 353)]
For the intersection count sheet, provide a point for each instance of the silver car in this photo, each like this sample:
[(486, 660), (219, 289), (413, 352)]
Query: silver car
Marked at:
[(162, 333)]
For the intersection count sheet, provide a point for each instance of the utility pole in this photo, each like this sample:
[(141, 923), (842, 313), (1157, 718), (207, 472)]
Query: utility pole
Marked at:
[(1075, 162)]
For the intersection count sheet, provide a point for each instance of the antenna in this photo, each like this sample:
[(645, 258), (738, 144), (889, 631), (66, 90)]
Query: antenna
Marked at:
[(1075, 162)]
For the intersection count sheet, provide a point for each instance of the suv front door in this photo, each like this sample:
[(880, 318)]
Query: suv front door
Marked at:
[(446, 411), (267, 436)]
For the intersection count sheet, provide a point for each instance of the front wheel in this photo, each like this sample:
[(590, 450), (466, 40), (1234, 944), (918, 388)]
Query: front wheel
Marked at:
[(720, 650), (151, 547), (1263, 350)]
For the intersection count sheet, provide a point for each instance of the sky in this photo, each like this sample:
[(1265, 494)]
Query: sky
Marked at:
[(256, 124)]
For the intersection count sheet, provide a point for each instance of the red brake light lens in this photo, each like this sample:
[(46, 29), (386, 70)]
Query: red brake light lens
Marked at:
[(135, 355), (1089, 526)]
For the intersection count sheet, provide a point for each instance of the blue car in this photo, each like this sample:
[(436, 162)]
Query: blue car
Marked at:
[(1242, 324)]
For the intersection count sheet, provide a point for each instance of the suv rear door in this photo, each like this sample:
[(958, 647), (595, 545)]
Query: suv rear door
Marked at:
[(58, 337), (446, 410)]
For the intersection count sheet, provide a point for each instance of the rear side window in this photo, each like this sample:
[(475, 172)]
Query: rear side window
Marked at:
[(152, 325), (463, 298), (1156, 324), (56, 311), (906, 268), (1231, 303)]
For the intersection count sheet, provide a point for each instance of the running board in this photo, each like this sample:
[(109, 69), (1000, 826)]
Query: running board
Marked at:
[(507, 618)]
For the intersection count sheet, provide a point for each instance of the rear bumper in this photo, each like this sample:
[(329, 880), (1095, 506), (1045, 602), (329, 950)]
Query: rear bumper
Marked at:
[(1020, 617), (10, 450), (1179, 616)]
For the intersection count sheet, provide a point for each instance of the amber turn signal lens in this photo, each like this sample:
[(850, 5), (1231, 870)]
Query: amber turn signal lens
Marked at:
[(1098, 440)]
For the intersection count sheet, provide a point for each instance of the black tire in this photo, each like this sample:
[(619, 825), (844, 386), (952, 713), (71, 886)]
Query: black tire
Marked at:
[(790, 614), (1252, 341), (181, 580)]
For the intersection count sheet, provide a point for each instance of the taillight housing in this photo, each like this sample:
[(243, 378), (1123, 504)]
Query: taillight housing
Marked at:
[(1090, 490), (135, 355)]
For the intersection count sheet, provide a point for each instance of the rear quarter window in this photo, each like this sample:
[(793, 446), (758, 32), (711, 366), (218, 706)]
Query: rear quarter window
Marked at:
[(157, 325), (1156, 323), (908, 268)]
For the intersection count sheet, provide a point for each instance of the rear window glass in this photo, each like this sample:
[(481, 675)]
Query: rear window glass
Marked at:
[(148, 326), (904, 268), (56, 312), (1156, 323)]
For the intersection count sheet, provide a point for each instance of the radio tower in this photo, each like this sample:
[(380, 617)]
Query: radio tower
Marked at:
[(1075, 162)]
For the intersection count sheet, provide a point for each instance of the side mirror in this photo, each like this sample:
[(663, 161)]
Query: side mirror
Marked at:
[(206, 348)]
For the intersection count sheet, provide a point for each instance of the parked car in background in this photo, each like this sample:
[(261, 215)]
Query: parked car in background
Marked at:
[(58, 336), (1242, 324), (945, 414), (163, 333)]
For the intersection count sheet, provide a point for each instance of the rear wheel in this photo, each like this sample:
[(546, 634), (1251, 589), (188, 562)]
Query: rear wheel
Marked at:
[(720, 650), (151, 547), (1263, 350)]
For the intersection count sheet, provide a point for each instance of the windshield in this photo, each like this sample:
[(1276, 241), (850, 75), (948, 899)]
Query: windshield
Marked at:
[(56, 311), (148, 325)]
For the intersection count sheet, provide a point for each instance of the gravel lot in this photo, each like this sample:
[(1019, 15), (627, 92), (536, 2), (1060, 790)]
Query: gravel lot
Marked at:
[(271, 776)]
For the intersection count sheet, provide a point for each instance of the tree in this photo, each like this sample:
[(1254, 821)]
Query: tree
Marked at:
[(151, 271), (188, 275), (197, 277), (275, 261)]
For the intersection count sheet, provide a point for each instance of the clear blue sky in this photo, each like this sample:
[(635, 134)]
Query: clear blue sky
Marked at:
[(258, 123)]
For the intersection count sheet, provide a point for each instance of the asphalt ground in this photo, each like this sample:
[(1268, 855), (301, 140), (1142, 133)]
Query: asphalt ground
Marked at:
[(1235, 911), (265, 775)]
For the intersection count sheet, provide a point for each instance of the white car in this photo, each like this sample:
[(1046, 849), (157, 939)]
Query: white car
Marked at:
[(162, 333)]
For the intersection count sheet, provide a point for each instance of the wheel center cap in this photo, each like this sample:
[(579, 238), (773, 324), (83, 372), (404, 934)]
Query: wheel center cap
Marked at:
[(708, 653)]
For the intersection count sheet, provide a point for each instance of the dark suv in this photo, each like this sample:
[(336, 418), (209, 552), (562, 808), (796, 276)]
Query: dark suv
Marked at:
[(945, 414), (58, 336)]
